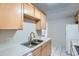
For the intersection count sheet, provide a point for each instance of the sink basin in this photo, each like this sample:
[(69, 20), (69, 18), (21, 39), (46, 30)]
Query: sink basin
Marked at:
[(33, 43), (37, 40), (29, 45)]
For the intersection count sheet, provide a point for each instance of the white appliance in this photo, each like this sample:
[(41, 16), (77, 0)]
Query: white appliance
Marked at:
[(72, 34)]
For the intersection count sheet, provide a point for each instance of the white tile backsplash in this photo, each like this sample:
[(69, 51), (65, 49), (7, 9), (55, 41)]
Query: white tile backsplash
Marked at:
[(9, 38)]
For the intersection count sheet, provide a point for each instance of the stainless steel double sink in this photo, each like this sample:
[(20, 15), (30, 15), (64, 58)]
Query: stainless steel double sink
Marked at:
[(33, 43)]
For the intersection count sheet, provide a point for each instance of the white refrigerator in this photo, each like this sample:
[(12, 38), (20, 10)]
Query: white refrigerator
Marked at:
[(72, 34)]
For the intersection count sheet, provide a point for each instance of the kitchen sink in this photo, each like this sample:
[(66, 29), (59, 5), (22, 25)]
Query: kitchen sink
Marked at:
[(33, 43)]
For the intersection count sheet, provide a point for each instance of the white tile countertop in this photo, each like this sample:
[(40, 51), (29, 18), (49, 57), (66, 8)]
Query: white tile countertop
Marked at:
[(19, 50)]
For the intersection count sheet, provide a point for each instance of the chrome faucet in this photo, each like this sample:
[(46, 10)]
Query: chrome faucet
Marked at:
[(32, 35)]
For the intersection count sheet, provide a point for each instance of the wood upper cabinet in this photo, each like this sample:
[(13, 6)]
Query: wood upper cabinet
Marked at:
[(37, 13), (38, 25), (29, 9), (43, 21), (77, 18), (33, 13), (11, 16)]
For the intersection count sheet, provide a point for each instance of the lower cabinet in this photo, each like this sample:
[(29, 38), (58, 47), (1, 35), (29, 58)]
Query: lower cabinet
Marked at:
[(37, 52), (44, 50), (49, 48)]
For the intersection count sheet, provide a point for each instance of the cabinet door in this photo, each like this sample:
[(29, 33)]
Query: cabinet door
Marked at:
[(49, 48), (37, 13), (43, 21), (44, 49), (38, 25), (28, 9), (37, 52), (11, 16), (78, 17)]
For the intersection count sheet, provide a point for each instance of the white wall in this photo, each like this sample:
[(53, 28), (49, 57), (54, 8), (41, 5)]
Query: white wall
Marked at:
[(57, 30), (9, 38)]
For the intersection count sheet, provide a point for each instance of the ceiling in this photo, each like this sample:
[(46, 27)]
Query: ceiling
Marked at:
[(59, 10)]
